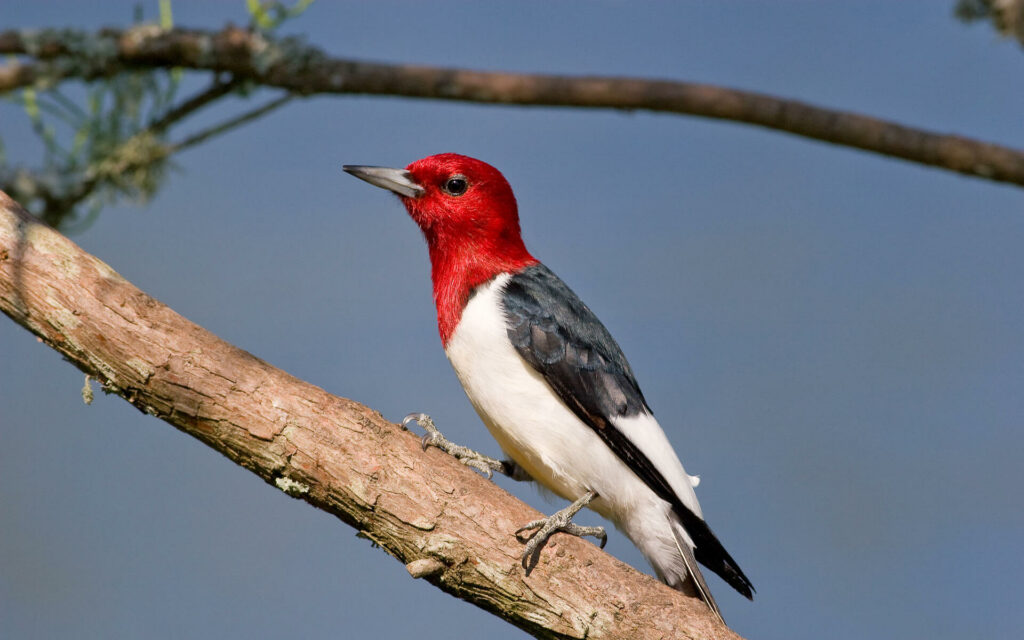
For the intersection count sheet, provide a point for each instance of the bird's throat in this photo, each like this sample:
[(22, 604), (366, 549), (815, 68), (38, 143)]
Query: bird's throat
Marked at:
[(457, 269)]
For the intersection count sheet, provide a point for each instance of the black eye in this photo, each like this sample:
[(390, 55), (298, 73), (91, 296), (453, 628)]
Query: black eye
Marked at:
[(456, 185)]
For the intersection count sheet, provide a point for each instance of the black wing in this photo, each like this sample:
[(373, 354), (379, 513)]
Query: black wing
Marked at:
[(564, 341)]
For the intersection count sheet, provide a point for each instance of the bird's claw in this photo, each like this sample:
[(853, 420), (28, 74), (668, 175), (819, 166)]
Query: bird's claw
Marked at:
[(433, 434), (559, 521), (433, 438), (418, 418)]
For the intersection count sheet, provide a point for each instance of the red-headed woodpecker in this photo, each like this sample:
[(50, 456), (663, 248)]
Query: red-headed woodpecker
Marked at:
[(547, 378)]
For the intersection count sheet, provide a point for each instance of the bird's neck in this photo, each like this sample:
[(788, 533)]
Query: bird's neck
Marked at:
[(459, 267)]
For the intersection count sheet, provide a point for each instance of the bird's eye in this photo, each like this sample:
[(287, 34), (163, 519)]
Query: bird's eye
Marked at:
[(456, 185)]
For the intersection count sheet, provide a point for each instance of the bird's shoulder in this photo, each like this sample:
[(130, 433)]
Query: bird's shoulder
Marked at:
[(558, 334)]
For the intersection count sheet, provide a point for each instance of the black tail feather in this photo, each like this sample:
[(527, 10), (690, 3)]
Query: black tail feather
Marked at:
[(710, 552)]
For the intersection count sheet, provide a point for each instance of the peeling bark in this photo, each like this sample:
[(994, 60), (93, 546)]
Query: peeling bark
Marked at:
[(448, 525)]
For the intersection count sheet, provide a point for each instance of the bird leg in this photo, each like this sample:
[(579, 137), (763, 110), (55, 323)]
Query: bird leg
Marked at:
[(484, 464), (559, 521)]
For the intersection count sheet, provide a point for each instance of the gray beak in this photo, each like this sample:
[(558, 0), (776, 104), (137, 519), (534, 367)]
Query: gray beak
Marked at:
[(397, 180)]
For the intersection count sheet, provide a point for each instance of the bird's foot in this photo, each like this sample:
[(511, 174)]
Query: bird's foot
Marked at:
[(433, 438), (559, 521)]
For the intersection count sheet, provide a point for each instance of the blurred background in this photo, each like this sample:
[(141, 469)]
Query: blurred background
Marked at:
[(832, 340)]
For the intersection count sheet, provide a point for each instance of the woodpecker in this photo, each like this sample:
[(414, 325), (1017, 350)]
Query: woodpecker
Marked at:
[(547, 379)]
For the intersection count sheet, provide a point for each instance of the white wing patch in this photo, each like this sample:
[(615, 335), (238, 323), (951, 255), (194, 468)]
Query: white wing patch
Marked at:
[(645, 432)]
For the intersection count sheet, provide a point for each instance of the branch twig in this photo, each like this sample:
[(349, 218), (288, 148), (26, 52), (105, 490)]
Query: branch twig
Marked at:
[(146, 148), (231, 123), (218, 89), (448, 525), (302, 69)]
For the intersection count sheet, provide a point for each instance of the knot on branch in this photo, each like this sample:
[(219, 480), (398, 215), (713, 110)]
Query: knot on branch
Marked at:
[(424, 567)]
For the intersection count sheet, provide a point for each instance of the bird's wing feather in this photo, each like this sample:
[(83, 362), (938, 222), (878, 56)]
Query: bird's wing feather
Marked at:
[(561, 338)]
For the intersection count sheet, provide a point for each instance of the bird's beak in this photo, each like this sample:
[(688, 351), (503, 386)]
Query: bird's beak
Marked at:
[(398, 180)]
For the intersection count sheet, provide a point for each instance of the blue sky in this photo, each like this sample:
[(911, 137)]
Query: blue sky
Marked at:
[(831, 339)]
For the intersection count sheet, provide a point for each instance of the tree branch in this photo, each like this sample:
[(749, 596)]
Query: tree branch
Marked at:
[(299, 68), (52, 71), (447, 524)]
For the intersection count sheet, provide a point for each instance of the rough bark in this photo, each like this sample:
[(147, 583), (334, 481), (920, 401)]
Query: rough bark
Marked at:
[(306, 70), (448, 525)]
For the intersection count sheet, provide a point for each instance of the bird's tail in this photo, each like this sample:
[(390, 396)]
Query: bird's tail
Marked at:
[(696, 583)]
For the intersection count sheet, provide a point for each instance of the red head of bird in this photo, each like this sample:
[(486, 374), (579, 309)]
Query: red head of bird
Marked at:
[(468, 215)]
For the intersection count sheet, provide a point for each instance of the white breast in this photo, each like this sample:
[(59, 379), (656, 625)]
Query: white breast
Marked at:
[(524, 415)]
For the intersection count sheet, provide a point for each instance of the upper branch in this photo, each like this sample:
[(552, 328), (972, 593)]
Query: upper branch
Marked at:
[(449, 525), (303, 69)]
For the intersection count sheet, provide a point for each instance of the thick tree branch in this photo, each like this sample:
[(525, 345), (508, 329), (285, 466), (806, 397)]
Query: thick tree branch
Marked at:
[(449, 525), (303, 69)]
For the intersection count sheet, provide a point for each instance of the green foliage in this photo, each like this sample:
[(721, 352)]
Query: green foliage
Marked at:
[(100, 151), (112, 143), (166, 17), (97, 153), (267, 16)]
